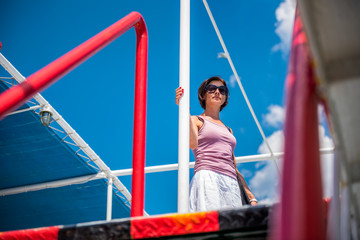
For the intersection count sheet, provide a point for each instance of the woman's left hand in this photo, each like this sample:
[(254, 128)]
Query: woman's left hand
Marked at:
[(179, 92), (253, 203)]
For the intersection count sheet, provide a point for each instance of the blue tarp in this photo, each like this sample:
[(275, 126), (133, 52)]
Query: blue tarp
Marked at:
[(30, 154)]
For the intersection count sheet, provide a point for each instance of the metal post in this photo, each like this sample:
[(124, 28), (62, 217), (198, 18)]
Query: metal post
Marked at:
[(138, 179), (333, 227), (300, 212), (109, 200), (184, 114)]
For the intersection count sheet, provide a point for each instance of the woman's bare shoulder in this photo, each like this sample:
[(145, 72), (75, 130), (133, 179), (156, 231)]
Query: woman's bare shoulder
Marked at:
[(198, 121), (196, 118)]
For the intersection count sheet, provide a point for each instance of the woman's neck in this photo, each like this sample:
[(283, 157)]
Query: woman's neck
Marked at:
[(212, 112)]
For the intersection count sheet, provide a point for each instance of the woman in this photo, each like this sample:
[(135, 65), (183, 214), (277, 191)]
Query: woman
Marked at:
[(214, 185)]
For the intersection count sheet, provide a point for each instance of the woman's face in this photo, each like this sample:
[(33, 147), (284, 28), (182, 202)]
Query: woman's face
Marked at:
[(215, 98)]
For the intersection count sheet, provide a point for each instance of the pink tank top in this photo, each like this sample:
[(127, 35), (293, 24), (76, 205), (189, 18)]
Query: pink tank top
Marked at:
[(215, 149)]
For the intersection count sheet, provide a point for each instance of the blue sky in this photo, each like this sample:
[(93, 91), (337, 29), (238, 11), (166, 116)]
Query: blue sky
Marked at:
[(96, 98)]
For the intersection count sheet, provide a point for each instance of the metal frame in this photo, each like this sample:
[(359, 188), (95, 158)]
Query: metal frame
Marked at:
[(341, 68), (127, 172), (17, 95), (69, 132)]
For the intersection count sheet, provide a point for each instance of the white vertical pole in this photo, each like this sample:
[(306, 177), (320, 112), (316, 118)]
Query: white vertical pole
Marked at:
[(184, 113), (109, 200), (333, 227), (345, 229)]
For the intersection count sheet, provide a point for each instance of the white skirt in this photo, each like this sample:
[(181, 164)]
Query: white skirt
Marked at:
[(210, 190)]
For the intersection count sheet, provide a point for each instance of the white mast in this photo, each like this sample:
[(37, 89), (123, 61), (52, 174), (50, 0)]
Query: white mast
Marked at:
[(184, 114)]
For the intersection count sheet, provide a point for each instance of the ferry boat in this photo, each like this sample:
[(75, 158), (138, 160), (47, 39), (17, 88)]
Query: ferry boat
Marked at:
[(323, 68)]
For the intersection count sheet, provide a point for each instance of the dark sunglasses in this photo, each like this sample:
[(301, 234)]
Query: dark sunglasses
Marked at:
[(212, 88)]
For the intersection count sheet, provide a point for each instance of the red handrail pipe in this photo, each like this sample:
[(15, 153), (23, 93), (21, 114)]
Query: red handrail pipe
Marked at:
[(301, 213), (15, 96)]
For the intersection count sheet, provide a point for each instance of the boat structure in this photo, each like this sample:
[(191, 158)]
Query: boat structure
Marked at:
[(45, 199)]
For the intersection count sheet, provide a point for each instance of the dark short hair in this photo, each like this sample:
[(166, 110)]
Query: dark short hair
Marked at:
[(202, 91)]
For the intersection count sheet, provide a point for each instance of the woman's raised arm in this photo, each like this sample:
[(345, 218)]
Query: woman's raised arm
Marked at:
[(194, 121)]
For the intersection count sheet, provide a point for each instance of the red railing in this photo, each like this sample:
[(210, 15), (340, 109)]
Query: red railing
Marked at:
[(15, 96), (301, 212)]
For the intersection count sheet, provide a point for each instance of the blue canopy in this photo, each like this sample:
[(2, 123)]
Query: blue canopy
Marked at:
[(32, 154)]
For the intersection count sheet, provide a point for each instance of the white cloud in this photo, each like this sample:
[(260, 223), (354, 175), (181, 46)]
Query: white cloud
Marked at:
[(246, 173), (232, 81), (259, 164), (275, 117), (325, 141), (285, 15), (276, 141), (268, 200), (265, 183)]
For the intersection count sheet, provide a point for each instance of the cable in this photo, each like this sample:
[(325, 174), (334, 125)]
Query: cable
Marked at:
[(239, 82)]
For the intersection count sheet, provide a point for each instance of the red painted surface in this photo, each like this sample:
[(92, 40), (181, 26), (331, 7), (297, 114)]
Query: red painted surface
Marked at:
[(138, 177), (300, 214), (15, 96), (48, 233), (178, 224)]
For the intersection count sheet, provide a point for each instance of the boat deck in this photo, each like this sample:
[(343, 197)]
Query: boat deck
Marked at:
[(243, 223)]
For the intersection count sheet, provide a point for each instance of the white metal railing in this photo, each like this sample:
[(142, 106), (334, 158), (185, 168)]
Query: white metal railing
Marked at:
[(243, 159), (127, 172), (70, 132), (25, 110)]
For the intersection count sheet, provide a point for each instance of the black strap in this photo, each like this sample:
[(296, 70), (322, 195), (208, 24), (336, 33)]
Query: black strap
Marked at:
[(244, 197), (202, 120), (228, 129)]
